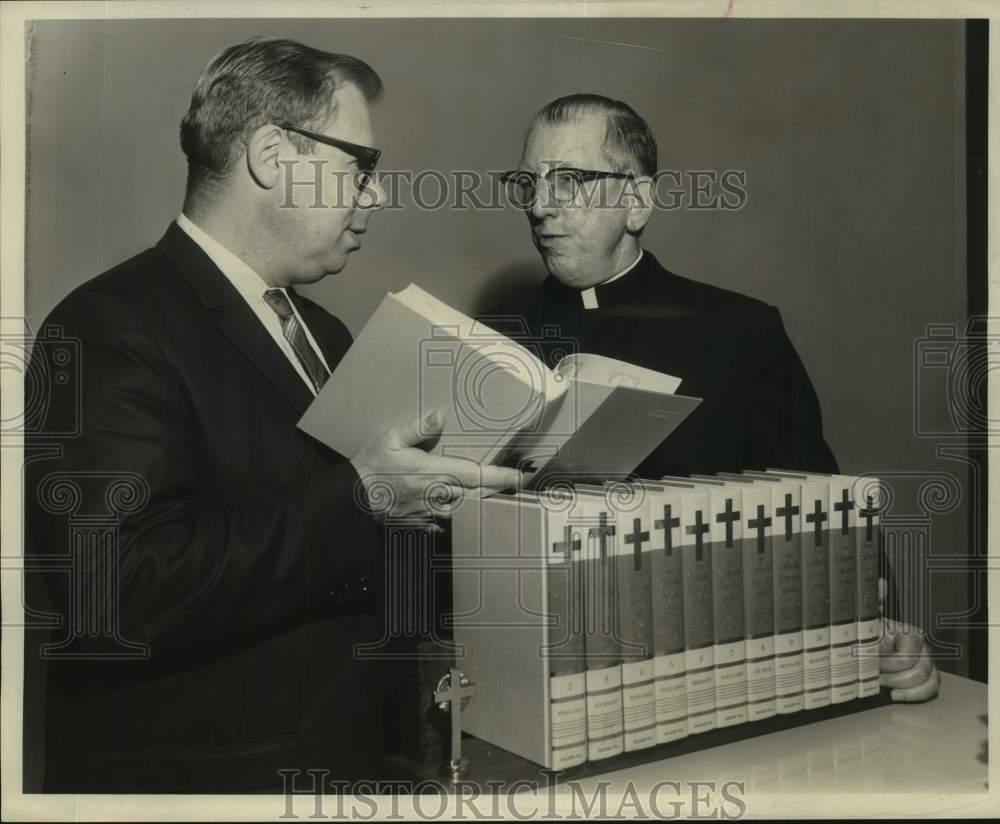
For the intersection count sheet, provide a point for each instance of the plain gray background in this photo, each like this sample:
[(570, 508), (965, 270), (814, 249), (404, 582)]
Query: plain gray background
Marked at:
[(851, 135)]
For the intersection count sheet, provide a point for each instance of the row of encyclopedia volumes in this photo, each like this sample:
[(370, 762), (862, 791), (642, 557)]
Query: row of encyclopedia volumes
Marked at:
[(602, 619)]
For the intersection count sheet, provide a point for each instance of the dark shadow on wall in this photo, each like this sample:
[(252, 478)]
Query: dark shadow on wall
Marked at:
[(508, 290)]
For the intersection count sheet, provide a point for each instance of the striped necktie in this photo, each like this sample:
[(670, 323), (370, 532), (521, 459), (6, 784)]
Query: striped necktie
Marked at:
[(296, 336)]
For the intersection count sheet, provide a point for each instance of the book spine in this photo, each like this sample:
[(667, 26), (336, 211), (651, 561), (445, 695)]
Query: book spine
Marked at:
[(568, 711), (727, 607), (565, 645), (758, 600), (843, 594), (635, 615), (604, 713), (638, 704), (868, 536), (787, 557), (816, 594), (605, 722), (671, 697), (699, 641), (667, 585)]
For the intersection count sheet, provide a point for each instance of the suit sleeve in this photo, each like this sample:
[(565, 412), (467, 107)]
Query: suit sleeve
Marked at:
[(185, 575), (784, 426)]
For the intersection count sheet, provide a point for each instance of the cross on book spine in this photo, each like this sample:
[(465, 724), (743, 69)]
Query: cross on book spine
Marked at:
[(603, 530), (637, 538), (816, 517), (569, 542), (868, 513), (729, 517), (667, 525), (698, 529), (787, 512), (843, 506), (760, 523)]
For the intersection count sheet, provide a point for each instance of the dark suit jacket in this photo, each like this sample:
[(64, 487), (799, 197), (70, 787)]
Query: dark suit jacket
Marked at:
[(249, 572)]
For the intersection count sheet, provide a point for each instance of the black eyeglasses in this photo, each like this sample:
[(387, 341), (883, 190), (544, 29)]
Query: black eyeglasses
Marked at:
[(564, 183), (366, 156)]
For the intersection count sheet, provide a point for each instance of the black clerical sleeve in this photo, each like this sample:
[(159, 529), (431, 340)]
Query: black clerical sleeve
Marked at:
[(783, 423)]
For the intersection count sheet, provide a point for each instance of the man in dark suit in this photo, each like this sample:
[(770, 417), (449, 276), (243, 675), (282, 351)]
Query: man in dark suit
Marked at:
[(585, 181), (213, 568)]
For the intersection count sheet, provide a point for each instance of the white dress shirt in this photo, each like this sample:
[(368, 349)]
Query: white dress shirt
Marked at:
[(252, 287), (589, 296)]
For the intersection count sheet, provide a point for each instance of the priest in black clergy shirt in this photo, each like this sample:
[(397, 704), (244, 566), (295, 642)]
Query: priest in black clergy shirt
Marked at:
[(585, 181)]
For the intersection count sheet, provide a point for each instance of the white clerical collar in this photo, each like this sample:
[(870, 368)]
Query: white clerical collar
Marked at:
[(589, 295)]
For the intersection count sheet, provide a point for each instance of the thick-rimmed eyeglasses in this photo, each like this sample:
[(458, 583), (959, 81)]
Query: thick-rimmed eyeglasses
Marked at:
[(366, 156), (563, 183)]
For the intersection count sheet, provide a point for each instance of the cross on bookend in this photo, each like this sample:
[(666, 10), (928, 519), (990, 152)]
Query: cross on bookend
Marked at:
[(454, 692)]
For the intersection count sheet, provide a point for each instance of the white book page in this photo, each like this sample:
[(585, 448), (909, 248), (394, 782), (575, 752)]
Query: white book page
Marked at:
[(611, 372), (501, 350)]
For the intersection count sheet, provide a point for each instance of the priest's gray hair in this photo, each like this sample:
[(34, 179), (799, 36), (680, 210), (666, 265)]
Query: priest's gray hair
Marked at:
[(628, 140)]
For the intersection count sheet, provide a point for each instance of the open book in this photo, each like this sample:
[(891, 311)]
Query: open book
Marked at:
[(596, 416)]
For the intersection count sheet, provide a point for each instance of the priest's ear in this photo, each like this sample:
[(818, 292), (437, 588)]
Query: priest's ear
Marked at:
[(265, 148), (639, 202)]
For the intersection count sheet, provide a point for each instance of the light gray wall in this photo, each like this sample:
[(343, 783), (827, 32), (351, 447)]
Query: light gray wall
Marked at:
[(851, 135)]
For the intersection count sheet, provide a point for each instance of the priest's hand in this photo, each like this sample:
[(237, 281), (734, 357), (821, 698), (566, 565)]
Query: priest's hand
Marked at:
[(401, 479), (905, 664)]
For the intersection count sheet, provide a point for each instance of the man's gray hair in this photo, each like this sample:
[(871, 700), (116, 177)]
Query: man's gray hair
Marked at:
[(628, 139), (263, 80)]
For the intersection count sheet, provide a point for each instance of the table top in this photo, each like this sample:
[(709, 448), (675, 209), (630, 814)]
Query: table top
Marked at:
[(936, 747)]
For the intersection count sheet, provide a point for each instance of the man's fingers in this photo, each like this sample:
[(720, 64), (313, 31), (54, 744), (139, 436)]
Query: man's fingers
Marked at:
[(422, 521), (458, 471), (904, 656), (899, 647), (473, 475), (442, 499), (922, 692), (889, 638), (416, 431), (465, 472), (886, 643), (500, 477), (912, 676)]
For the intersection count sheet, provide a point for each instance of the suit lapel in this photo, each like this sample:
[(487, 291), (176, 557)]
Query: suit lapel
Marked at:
[(242, 327), (235, 320)]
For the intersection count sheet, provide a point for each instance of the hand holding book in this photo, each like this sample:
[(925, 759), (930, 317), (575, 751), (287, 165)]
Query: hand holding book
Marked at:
[(501, 403), (402, 480)]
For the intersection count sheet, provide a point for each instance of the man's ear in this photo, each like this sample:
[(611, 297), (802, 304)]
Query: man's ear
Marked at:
[(263, 153), (639, 194)]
